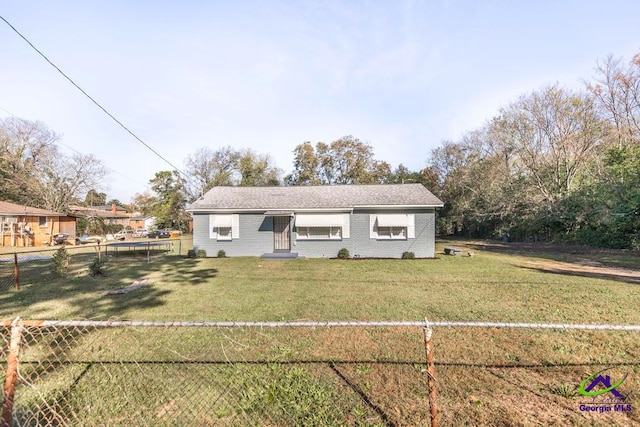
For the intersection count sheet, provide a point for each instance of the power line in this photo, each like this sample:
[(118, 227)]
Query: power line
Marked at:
[(93, 100), (78, 152)]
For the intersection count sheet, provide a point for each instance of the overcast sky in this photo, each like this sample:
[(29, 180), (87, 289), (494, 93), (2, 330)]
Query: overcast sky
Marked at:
[(268, 75)]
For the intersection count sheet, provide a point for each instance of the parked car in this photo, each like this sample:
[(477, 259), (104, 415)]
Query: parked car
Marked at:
[(84, 239), (159, 234), (123, 235), (59, 238), (141, 232)]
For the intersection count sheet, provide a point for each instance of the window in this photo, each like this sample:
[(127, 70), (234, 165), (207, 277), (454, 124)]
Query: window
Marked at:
[(42, 221), (392, 226), (319, 233), (224, 227), (329, 226), (392, 233), (224, 233)]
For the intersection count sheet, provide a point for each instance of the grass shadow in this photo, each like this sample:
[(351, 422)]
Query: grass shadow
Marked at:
[(585, 273)]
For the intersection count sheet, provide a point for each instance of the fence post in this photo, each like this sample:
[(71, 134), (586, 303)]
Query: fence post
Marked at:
[(431, 375), (12, 372), (148, 253), (16, 270)]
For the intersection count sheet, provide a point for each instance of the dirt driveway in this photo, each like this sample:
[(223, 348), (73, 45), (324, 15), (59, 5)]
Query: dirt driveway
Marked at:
[(613, 264)]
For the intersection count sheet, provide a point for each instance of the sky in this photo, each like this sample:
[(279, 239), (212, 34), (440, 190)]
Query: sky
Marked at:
[(268, 75)]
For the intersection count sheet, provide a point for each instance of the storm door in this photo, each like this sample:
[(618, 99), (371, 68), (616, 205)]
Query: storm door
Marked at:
[(281, 234)]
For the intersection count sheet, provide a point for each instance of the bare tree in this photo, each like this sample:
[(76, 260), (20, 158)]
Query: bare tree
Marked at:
[(207, 169), (552, 134), (61, 181), (617, 93), (24, 147)]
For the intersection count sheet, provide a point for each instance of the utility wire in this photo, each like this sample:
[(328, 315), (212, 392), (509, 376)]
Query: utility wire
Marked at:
[(78, 152), (93, 100)]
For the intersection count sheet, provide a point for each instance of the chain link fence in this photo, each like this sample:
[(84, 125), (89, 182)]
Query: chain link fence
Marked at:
[(86, 373), (96, 373), (36, 266)]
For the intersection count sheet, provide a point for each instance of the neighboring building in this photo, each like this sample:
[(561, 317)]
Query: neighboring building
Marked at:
[(116, 209), (110, 214), (142, 222), (317, 221), (28, 226)]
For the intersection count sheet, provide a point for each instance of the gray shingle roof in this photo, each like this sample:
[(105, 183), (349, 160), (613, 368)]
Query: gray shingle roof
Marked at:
[(315, 197)]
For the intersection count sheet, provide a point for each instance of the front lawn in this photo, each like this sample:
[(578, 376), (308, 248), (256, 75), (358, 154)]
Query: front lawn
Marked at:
[(485, 287), (327, 376)]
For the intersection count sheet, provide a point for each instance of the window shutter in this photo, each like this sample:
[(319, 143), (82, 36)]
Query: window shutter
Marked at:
[(373, 231), (212, 227), (346, 229), (411, 226), (235, 226)]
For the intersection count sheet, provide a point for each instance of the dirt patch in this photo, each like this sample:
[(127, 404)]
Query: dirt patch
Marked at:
[(612, 264), (585, 269)]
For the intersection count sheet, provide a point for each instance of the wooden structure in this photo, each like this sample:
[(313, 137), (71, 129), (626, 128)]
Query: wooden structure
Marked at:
[(22, 225)]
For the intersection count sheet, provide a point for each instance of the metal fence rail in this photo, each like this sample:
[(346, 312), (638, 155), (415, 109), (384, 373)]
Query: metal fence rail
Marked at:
[(34, 266), (328, 324), (84, 373)]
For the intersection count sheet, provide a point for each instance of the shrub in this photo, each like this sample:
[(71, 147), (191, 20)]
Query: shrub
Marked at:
[(96, 267), (61, 262), (222, 254), (344, 253), (408, 255), (191, 253), (201, 253)]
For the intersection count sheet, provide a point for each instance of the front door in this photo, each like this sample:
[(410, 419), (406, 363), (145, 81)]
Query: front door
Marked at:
[(281, 239)]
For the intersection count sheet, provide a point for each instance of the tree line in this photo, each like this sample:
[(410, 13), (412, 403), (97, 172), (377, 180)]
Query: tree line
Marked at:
[(556, 164), (344, 161)]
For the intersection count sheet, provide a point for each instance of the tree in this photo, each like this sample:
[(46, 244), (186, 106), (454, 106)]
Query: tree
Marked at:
[(257, 170), (95, 198), (143, 202), (207, 169), (170, 200), (61, 181), (35, 173), (345, 161), (227, 166), (616, 91), (24, 147), (554, 133), (306, 166)]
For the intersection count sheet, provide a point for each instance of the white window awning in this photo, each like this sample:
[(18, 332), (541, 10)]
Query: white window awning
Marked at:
[(393, 220), (223, 221), (319, 220)]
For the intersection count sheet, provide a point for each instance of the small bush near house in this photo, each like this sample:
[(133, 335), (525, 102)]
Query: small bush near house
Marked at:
[(408, 255), (201, 253), (61, 262), (344, 253), (96, 268), (222, 254), (191, 253)]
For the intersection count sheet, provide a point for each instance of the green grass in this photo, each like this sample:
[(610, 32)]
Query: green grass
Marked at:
[(488, 287), (323, 376)]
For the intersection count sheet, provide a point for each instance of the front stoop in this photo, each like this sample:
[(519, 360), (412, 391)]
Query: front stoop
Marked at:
[(280, 255)]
